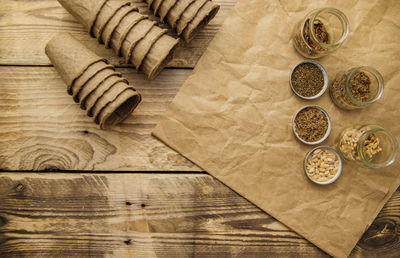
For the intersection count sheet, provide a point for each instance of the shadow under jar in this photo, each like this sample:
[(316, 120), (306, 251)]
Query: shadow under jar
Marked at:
[(368, 145), (356, 88), (321, 32)]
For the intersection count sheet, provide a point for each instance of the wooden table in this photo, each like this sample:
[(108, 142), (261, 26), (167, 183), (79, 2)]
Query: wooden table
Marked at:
[(68, 188)]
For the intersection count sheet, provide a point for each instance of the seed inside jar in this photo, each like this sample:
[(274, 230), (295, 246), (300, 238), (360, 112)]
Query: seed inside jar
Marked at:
[(360, 86), (307, 79), (320, 32), (311, 124), (322, 165), (349, 142), (371, 146), (309, 45)]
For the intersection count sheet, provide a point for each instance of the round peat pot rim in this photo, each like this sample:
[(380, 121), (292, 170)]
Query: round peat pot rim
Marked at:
[(338, 173), (328, 131), (324, 73)]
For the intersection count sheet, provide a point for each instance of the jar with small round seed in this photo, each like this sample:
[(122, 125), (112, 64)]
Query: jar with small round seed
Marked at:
[(356, 88), (369, 145), (321, 32)]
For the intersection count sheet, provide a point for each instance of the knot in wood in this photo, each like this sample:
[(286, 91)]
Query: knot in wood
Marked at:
[(3, 221), (381, 234), (19, 187)]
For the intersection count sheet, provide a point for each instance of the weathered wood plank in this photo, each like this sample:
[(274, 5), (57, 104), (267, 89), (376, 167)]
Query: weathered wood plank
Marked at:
[(150, 215), (41, 128), (171, 215), (26, 26)]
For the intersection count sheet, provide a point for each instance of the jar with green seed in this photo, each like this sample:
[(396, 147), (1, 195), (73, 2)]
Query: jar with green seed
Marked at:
[(321, 32), (356, 88)]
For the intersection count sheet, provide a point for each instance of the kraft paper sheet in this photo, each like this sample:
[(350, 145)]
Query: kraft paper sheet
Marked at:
[(233, 116)]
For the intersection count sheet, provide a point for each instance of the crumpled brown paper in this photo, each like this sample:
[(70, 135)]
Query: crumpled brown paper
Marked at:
[(233, 115)]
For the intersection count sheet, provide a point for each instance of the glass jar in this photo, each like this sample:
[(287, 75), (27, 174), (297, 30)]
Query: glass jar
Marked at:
[(320, 32), (356, 88), (369, 145)]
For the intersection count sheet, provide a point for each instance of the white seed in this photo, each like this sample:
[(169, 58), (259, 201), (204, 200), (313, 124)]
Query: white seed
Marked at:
[(321, 165)]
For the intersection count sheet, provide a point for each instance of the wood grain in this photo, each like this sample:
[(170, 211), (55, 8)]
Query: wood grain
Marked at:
[(26, 26), (128, 214), (151, 215), (41, 128)]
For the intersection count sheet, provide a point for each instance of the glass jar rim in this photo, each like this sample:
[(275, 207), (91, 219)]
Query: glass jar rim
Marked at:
[(348, 90), (363, 138), (340, 15)]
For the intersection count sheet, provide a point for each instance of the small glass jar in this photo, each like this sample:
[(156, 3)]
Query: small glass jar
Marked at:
[(356, 88), (321, 32), (369, 145)]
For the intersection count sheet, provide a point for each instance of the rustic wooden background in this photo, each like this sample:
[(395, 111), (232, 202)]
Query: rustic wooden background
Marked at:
[(120, 192)]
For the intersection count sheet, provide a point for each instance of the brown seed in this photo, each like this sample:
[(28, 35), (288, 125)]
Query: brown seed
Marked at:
[(360, 86), (311, 124), (307, 44), (307, 80)]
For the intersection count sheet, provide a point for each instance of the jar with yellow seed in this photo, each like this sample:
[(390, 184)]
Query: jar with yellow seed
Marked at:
[(369, 145)]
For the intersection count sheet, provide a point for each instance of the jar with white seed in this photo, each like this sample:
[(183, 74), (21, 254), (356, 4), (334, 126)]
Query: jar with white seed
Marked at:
[(368, 145), (323, 165)]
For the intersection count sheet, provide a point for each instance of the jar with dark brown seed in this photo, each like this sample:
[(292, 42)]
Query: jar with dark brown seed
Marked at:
[(320, 32), (356, 88)]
